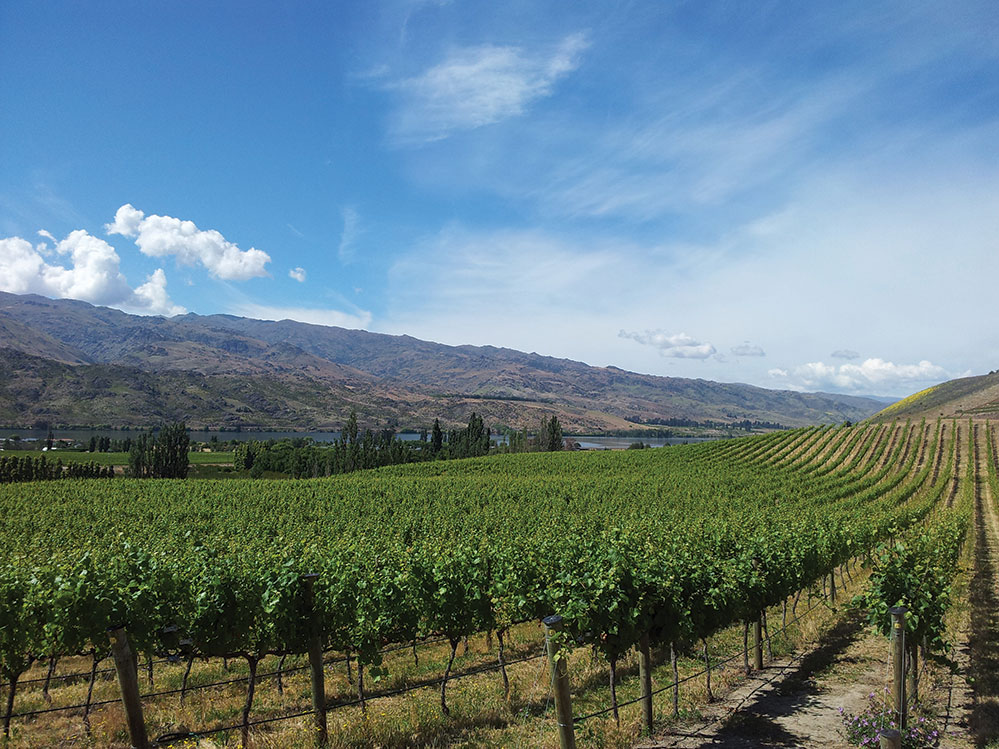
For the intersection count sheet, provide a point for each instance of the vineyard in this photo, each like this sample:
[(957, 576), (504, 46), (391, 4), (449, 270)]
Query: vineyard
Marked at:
[(660, 550)]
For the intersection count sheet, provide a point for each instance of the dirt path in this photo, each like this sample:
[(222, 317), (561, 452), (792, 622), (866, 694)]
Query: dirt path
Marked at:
[(797, 702)]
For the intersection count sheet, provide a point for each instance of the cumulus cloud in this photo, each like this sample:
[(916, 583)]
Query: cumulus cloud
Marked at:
[(127, 220), (676, 346), (845, 353), (93, 275), (298, 274), (154, 297), (871, 375), (161, 236), (747, 349), (480, 85)]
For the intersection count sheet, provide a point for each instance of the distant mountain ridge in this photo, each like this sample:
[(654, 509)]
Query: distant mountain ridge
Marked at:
[(311, 376)]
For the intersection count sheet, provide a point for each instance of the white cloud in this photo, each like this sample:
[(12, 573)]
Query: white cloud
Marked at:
[(777, 372), (845, 353), (94, 274), (298, 274), (873, 375), (154, 296), (127, 221), (330, 317), (568, 293), (747, 349), (532, 270), (351, 231), (161, 236), (676, 346), (481, 85)]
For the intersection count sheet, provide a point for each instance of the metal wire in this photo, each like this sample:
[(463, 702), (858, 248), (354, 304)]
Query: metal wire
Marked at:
[(167, 739), (691, 677)]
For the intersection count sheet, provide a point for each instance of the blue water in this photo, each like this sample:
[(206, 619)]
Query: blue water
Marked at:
[(84, 435)]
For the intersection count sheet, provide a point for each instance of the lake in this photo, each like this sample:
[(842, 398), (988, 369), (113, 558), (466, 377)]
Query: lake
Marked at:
[(84, 435)]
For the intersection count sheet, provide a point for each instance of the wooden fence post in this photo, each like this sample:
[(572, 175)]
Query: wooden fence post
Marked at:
[(890, 739), (128, 684), (645, 676), (560, 685), (758, 626), (898, 662), (758, 643), (316, 662)]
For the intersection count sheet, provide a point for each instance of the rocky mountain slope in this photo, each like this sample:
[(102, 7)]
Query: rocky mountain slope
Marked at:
[(220, 370)]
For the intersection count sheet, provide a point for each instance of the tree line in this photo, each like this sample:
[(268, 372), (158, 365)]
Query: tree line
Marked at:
[(357, 450), (29, 468), (162, 455)]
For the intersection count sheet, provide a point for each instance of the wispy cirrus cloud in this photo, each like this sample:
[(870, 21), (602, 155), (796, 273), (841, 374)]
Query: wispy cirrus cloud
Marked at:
[(348, 237), (314, 315), (477, 86)]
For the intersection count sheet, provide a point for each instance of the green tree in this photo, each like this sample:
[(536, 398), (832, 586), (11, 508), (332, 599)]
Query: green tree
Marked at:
[(349, 434), (550, 436), (171, 452), (436, 438), (160, 456)]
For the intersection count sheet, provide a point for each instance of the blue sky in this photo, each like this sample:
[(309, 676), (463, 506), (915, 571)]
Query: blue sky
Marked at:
[(794, 195)]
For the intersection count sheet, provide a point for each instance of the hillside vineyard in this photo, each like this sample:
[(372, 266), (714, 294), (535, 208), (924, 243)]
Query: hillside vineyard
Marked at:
[(672, 543)]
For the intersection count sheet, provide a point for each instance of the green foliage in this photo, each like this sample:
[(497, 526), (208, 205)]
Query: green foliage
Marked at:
[(674, 543), (916, 573), (915, 569), (436, 438), (162, 456), (550, 435), (470, 442), (30, 468)]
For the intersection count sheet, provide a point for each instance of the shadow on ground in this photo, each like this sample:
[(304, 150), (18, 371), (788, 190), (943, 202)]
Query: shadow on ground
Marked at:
[(983, 643), (757, 724)]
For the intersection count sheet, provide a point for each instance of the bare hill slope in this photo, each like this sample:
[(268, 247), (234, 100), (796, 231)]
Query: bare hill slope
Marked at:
[(397, 380)]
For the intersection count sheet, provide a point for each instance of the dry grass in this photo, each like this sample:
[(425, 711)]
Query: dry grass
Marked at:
[(480, 716)]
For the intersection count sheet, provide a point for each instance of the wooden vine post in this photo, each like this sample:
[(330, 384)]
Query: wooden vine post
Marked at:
[(645, 676), (889, 738), (758, 643), (560, 685), (316, 662), (898, 662), (128, 683), (758, 631)]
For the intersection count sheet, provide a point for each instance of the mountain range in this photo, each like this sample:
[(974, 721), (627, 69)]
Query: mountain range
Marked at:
[(71, 363)]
